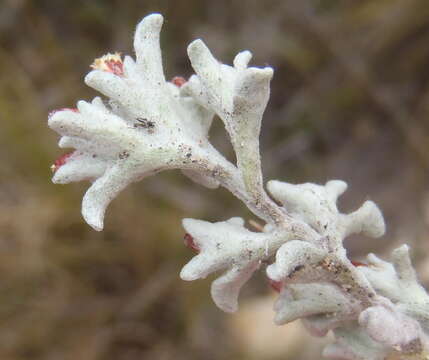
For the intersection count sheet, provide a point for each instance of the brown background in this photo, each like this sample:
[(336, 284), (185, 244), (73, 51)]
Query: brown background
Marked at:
[(350, 100)]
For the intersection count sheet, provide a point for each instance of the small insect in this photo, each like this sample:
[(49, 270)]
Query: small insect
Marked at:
[(124, 154), (145, 124)]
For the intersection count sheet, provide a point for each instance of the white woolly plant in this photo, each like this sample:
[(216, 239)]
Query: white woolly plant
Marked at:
[(147, 124)]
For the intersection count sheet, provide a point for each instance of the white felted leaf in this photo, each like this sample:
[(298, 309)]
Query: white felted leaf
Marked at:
[(225, 245), (108, 151), (353, 343), (316, 205), (398, 282), (238, 95), (389, 327), (101, 193), (79, 167), (148, 126), (367, 220), (302, 300), (221, 245), (225, 289), (291, 257), (148, 51)]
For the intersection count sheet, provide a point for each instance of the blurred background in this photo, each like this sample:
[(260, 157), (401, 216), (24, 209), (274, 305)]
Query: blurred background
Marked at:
[(350, 100)]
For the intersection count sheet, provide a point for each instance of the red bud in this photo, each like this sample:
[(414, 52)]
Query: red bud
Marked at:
[(178, 81), (357, 263), (190, 243)]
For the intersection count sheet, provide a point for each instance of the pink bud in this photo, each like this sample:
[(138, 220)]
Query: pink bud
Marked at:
[(60, 161), (111, 63), (178, 81), (190, 243), (357, 263), (62, 109)]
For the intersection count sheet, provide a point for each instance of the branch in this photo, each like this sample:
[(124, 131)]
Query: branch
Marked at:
[(149, 125)]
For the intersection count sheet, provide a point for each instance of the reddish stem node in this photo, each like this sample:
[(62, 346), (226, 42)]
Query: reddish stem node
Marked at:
[(275, 285)]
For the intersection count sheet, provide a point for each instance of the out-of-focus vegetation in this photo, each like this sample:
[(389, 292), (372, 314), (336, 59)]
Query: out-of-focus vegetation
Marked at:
[(350, 100)]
